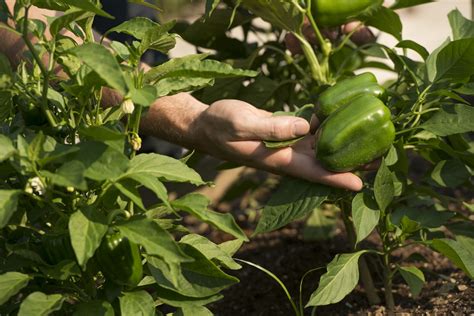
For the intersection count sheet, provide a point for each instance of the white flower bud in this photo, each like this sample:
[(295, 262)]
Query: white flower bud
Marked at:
[(136, 142), (36, 185), (127, 106)]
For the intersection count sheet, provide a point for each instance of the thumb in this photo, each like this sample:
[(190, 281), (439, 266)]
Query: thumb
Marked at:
[(279, 128)]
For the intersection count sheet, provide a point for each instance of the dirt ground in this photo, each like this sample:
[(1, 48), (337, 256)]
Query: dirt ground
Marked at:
[(447, 291)]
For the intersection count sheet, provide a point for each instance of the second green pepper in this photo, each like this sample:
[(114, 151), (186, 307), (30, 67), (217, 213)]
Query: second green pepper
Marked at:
[(355, 134), (337, 12), (345, 91), (119, 260)]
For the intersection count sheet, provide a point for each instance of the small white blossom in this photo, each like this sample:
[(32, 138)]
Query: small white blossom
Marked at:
[(136, 142), (127, 106), (35, 185)]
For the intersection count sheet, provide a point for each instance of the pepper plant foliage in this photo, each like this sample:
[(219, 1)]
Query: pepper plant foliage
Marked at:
[(70, 174), (400, 204)]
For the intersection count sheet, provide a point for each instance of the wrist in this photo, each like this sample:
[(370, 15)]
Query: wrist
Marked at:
[(175, 119)]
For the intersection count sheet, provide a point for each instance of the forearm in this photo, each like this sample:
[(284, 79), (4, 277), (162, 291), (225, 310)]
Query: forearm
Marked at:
[(174, 119)]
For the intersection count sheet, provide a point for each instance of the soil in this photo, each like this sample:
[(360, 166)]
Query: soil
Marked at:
[(448, 291)]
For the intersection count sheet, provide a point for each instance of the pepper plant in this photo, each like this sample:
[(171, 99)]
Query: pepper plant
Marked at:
[(426, 103), (75, 235)]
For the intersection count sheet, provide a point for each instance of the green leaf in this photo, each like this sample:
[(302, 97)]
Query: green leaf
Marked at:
[(415, 279), (426, 217), (86, 227), (461, 228), (423, 52), (62, 271), (285, 14), (199, 278), (365, 214), (230, 247), (66, 19), (293, 200), (210, 250), (70, 174), (450, 173), (156, 240), (451, 119), (50, 4), (319, 226), (38, 303), (469, 206), (10, 284), (400, 4), (387, 21), (194, 67), (153, 184), (101, 161), (461, 27), (89, 6), (136, 27), (159, 39), (129, 189), (384, 189), (54, 151), (96, 308), (453, 62), (144, 96), (102, 62), (8, 205), (5, 66), (175, 299), (340, 279), (110, 137), (163, 167), (137, 303), (459, 251), (305, 112), (193, 311), (162, 70), (170, 86), (6, 148), (197, 205), (259, 91)]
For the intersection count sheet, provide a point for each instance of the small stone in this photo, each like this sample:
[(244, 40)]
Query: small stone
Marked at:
[(462, 287)]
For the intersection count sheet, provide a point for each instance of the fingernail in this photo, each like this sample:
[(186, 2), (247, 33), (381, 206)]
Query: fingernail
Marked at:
[(300, 128)]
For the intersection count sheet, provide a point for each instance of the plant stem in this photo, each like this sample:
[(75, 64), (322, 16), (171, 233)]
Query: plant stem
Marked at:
[(44, 71), (315, 67), (368, 282), (389, 300), (289, 59), (301, 287), (365, 276), (274, 277), (325, 46)]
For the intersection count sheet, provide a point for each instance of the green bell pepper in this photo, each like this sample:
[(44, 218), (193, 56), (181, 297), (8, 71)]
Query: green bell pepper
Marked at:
[(336, 12), (119, 260), (355, 134), (57, 247), (345, 91)]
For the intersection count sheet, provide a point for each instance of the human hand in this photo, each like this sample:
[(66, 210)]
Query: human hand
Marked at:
[(233, 130)]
